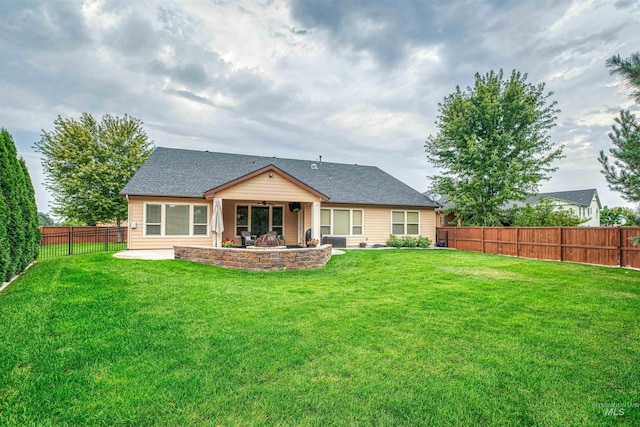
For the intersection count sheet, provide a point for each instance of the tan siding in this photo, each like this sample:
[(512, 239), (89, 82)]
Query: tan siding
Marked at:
[(136, 237), (263, 187), (377, 223), (291, 227)]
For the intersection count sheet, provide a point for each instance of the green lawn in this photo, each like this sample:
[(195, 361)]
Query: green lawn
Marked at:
[(396, 337)]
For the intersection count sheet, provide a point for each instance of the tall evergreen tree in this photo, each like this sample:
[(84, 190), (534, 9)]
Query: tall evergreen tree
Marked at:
[(30, 211), (629, 70), (623, 174), (19, 231), (5, 252), (11, 191)]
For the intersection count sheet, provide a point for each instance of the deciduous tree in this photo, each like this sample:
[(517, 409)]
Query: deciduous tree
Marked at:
[(492, 145), (545, 214), (87, 162)]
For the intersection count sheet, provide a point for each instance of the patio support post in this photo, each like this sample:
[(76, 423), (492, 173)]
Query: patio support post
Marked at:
[(315, 220), (219, 228)]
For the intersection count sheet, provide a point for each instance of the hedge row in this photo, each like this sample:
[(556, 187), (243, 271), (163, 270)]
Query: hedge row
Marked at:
[(19, 231)]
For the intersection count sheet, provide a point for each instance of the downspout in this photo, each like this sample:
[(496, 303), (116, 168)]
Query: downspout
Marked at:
[(128, 222)]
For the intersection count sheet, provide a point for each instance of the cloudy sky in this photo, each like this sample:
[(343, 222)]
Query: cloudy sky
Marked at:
[(353, 81)]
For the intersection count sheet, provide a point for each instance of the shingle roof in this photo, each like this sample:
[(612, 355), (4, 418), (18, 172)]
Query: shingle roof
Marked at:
[(186, 173), (577, 197)]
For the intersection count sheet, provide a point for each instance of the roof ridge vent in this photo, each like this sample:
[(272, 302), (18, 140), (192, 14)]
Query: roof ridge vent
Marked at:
[(314, 167)]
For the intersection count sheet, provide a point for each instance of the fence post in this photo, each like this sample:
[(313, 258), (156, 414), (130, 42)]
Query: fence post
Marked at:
[(517, 242), (620, 245), (69, 239), (106, 239), (482, 239), (560, 243)]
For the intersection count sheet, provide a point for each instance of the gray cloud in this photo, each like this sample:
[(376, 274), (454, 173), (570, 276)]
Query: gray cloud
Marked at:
[(43, 25), (353, 81)]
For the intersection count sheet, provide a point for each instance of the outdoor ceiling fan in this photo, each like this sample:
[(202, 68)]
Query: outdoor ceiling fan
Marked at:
[(265, 203)]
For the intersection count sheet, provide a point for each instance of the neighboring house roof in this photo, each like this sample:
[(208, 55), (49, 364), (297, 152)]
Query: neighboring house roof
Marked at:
[(171, 172), (581, 198), (576, 197)]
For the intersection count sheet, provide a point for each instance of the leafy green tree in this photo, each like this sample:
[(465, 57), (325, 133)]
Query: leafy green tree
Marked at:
[(629, 70), (618, 216), (45, 219), (492, 145), (87, 162), (545, 214)]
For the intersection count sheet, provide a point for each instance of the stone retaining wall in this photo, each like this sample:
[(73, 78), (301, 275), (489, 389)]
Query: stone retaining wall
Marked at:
[(257, 259)]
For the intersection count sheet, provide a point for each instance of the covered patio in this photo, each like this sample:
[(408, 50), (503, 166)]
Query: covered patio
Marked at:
[(265, 200)]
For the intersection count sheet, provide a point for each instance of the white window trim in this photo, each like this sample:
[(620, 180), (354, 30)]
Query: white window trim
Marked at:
[(404, 222), (350, 222), (163, 221), (258, 205)]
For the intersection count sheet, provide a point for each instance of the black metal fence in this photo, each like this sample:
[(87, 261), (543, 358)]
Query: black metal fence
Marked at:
[(442, 238), (76, 242)]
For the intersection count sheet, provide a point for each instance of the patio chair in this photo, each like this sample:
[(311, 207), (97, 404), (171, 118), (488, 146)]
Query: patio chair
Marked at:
[(247, 240)]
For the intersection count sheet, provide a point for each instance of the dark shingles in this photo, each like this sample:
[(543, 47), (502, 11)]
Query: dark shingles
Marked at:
[(187, 173)]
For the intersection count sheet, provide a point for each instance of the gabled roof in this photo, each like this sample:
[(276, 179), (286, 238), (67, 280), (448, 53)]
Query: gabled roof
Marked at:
[(171, 172), (268, 168), (581, 198)]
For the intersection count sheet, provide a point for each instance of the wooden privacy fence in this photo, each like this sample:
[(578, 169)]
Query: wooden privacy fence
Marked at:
[(590, 245)]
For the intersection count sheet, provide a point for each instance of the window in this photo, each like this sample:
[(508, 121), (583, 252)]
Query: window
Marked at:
[(405, 223), (277, 219), (261, 218), (357, 223), (200, 216), (341, 222), (177, 220), (325, 221), (173, 219), (242, 219), (153, 220)]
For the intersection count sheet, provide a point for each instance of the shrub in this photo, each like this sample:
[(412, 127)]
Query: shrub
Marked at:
[(424, 242), (394, 242), (408, 242)]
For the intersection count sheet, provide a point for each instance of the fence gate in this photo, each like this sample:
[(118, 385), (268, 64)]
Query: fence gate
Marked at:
[(442, 238)]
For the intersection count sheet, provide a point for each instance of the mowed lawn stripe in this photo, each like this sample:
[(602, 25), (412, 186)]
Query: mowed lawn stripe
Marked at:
[(376, 337)]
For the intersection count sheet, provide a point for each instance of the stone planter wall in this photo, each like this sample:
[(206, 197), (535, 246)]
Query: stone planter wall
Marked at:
[(257, 259)]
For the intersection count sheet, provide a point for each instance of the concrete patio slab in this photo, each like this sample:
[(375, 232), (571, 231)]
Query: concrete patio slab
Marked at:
[(151, 254), (160, 254)]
